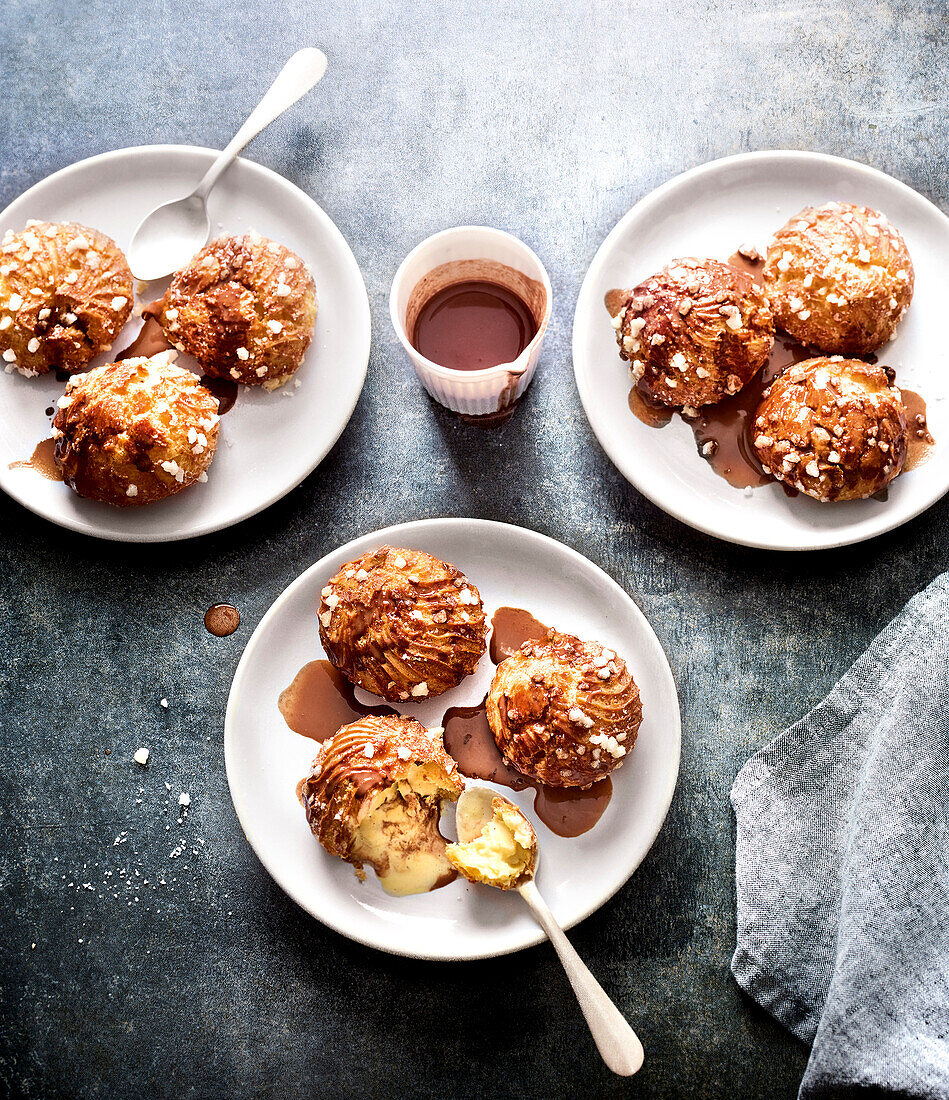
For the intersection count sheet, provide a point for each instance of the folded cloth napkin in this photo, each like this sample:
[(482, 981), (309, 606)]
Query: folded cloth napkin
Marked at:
[(842, 868)]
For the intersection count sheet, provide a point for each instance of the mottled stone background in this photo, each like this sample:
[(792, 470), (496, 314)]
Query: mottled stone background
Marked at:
[(550, 121)]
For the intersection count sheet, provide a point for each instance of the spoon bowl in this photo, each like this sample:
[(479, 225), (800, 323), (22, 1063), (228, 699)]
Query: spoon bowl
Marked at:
[(506, 856), (168, 237)]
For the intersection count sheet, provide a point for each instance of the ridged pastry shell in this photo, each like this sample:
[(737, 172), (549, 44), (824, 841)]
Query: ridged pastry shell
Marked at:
[(564, 711), (402, 624)]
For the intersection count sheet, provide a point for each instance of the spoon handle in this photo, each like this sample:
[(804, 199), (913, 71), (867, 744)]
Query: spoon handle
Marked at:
[(294, 80), (616, 1041)]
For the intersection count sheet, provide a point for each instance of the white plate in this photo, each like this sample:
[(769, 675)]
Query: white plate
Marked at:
[(711, 211), (269, 442), (265, 760)]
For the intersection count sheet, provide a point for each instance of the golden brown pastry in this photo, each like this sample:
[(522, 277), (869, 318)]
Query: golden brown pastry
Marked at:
[(563, 711), (245, 308), (504, 851), (374, 796), (402, 624), (833, 428), (65, 294), (839, 278), (135, 431), (694, 333)]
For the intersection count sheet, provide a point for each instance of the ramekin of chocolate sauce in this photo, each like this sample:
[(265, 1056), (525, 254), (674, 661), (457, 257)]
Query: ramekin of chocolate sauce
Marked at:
[(471, 307)]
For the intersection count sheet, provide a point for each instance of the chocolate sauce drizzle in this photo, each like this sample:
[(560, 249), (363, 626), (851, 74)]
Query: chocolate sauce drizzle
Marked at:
[(151, 341), (42, 461)]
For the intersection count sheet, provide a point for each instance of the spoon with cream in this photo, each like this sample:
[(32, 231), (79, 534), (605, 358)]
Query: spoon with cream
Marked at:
[(497, 846)]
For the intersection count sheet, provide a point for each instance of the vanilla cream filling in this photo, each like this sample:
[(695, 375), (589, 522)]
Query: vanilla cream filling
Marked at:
[(399, 837), (501, 853)]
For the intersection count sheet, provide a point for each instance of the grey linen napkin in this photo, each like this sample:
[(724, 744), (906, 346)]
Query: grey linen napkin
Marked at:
[(842, 868)]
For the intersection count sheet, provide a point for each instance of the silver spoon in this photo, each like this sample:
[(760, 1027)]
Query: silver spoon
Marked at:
[(171, 234), (618, 1044)]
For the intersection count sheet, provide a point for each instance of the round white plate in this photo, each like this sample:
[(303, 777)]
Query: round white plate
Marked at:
[(269, 442), (711, 211), (265, 759)]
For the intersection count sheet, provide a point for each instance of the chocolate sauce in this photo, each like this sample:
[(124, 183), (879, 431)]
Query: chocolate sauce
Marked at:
[(320, 701), (445, 879), (469, 741), (567, 811), (224, 389), (473, 324), (919, 441), (222, 619), (570, 812), (510, 628), (300, 786), (614, 300), (728, 425), (151, 341), (42, 461), (492, 420), (752, 264), (652, 413)]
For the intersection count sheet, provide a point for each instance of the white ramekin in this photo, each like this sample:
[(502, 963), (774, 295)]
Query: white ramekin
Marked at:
[(476, 392)]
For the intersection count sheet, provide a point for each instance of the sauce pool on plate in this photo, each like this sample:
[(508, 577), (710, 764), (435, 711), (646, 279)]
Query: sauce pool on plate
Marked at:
[(320, 701), (42, 461), (566, 811)]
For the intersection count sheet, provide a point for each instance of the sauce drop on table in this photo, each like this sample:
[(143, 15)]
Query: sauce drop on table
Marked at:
[(222, 619)]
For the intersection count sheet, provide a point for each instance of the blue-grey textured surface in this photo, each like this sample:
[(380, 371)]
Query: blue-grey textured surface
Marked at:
[(843, 867), (550, 121)]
